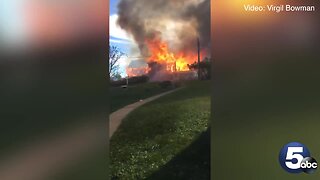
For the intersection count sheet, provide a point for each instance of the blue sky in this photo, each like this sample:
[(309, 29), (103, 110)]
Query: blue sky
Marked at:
[(113, 11), (113, 6), (119, 37)]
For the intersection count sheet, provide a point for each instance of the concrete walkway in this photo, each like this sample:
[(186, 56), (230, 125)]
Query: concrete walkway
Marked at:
[(117, 116)]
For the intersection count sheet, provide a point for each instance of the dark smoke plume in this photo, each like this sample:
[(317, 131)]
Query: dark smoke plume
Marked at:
[(177, 22)]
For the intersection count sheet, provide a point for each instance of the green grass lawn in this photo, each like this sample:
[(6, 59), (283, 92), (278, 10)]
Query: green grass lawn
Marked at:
[(119, 97), (94, 166), (158, 137), (52, 104)]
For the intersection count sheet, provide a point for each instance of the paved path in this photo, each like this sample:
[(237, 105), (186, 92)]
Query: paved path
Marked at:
[(117, 116)]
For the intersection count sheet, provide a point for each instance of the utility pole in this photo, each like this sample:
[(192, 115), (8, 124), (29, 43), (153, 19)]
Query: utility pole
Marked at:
[(198, 44)]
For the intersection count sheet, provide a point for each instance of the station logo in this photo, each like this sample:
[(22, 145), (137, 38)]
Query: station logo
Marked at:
[(295, 157)]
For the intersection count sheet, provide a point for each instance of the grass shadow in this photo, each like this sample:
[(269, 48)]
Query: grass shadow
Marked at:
[(160, 131), (192, 163)]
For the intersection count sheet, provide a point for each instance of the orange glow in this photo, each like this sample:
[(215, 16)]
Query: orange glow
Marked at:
[(172, 62), (160, 53), (137, 71)]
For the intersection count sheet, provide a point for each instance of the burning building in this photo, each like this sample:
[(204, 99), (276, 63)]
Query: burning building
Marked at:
[(166, 33), (137, 67)]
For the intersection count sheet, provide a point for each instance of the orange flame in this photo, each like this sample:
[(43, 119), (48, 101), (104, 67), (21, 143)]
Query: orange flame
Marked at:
[(137, 71), (160, 53)]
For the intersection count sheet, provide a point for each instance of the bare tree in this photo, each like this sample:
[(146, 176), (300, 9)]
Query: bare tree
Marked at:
[(115, 54)]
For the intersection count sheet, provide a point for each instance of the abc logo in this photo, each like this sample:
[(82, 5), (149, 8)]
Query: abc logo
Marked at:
[(295, 157), (309, 165)]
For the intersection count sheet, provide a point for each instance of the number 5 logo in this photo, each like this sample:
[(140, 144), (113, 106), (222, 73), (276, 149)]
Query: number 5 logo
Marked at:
[(291, 155)]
